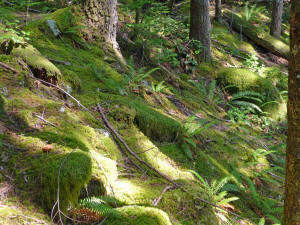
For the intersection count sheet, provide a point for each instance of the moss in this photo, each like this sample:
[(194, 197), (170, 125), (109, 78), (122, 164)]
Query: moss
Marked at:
[(2, 105), (75, 173), (279, 79), (246, 80), (231, 41), (153, 124), (72, 78), (35, 60), (151, 154), (258, 35), (141, 215)]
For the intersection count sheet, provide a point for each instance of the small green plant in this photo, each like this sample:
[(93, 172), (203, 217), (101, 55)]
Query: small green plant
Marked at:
[(215, 189), (11, 36), (253, 63), (251, 13), (246, 99), (219, 196), (193, 127), (158, 90), (134, 77), (93, 209), (209, 91)]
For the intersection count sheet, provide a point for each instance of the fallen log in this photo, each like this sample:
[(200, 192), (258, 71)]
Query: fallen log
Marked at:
[(258, 35)]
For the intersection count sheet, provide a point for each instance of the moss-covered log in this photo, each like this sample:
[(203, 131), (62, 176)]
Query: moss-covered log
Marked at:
[(259, 36)]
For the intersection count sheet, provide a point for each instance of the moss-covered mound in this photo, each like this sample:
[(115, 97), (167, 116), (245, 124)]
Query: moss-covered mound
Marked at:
[(141, 215), (244, 79)]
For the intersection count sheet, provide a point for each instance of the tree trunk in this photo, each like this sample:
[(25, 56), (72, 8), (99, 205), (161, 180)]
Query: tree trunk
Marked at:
[(102, 19), (171, 3), (258, 35), (292, 181), (218, 10), (200, 27), (275, 29)]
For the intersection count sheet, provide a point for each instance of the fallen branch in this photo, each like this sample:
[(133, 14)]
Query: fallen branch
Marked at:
[(156, 201), (128, 148), (9, 68), (46, 121), (31, 218), (33, 10)]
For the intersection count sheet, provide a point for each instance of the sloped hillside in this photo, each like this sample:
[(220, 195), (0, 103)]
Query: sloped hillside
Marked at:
[(161, 140)]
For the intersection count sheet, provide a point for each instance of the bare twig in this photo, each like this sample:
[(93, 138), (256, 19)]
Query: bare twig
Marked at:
[(156, 201), (9, 68), (33, 10), (31, 218), (128, 148), (46, 121), (57, 203)]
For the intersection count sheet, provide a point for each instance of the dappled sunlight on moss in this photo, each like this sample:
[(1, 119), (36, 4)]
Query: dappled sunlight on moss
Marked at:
[(151, 154), (141, 215)]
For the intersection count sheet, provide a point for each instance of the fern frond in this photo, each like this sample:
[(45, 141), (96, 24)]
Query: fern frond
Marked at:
[(227, 200), (220, 185), (247, 104), (201, 179), (98, 206), (243, 94), (211, 90)]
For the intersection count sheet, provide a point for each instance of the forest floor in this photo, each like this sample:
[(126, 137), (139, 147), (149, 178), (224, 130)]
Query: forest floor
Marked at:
[(163, 140)]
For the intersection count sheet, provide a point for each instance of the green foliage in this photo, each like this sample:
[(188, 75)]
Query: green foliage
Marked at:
[(219, 196), (209, 91), (254, 64), (132, 80), (251, 13), (193, 128), (157, 90), (12, 36), (98, 206)]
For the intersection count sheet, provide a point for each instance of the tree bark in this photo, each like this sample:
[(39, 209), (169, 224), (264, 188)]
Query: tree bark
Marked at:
[(292, 181), (102, 19), (275, 29), (200, 27), (218, 10), (259, 36)]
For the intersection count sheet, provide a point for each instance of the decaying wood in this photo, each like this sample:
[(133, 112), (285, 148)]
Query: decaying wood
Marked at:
[(259, 36)]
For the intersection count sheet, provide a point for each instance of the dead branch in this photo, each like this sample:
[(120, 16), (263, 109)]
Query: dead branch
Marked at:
[(128, 148), (31, 218), (156, 201), (57, 203), (9, 68), (33, 10), (46, 121)]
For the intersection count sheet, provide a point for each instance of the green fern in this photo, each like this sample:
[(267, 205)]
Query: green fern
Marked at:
[(250, 13), (97, 206)]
